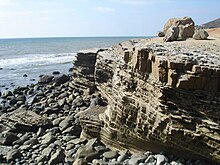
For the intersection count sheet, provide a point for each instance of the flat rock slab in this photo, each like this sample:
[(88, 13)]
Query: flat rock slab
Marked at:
[(110, 154), (22, 120)]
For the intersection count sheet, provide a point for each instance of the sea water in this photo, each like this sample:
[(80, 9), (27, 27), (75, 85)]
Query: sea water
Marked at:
[(22, 61)]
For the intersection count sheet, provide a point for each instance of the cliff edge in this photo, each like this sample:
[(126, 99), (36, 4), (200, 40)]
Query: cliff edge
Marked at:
[(161, 96)]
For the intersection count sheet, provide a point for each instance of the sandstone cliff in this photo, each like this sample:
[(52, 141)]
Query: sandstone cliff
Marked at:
[(161, 96)]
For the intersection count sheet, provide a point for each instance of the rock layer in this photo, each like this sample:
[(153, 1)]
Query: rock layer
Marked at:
[(160, 97)]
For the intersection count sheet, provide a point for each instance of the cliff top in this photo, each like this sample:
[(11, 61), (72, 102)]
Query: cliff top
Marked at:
[(202, 52)]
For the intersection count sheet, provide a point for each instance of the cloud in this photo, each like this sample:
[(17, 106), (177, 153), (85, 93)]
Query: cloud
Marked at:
[(140, 2), (105, 9), (5, 3)]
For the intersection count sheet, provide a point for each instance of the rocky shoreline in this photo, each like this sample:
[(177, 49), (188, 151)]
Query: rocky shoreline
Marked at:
[(141, 102), (40, 125)]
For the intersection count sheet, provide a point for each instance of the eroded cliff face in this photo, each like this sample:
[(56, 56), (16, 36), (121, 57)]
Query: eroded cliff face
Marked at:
[(161, 97)]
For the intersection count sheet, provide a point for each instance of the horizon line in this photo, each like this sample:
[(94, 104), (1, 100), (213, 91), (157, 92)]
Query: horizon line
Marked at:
[(133, 36)]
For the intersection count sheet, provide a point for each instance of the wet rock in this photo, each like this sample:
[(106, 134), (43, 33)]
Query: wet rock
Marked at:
[(45, 79), (25, 75), (7, 138), (61, 79), (56, 73)]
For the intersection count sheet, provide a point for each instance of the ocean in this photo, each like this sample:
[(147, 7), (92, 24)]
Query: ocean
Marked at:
[(22, 61)]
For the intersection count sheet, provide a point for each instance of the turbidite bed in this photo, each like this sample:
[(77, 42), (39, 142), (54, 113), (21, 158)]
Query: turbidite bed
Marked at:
[(143, 101), (161, 96)]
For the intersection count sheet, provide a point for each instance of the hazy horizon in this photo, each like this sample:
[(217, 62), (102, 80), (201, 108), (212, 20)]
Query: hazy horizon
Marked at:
[(97, 18)]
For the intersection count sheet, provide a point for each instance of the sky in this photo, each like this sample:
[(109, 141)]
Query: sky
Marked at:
[(80, 18)]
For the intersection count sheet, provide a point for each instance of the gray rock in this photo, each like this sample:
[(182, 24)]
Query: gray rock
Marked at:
[(110, 154), (12, 155), (161, 159), (57, 157), (45, 79), (57, 121), (200, 34), (32, 142), (48, 138), (47, 151), (25, 147), (7, 138), (22, 139), (62, 102), (23, 120), (61, 79), (66, 123), (56, 73)]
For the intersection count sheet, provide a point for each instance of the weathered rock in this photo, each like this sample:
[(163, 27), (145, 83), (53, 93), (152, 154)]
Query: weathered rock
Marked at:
[(23, 120), (171, 34), (200, 35), (159, 98), (184, 28)]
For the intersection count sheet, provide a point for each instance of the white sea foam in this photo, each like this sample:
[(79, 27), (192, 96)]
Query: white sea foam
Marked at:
[(32, 60)]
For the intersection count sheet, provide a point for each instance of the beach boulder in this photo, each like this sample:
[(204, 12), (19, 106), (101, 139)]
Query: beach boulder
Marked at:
[(185, 27), (200, 34)]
